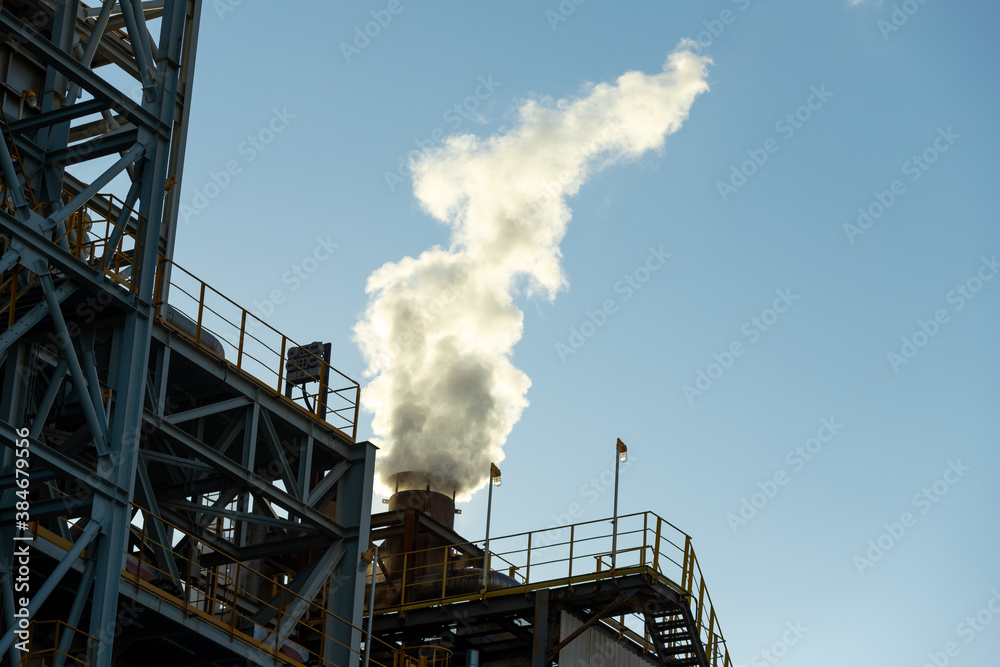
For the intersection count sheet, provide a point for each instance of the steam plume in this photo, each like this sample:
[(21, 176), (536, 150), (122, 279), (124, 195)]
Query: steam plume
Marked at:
[(439, 329)]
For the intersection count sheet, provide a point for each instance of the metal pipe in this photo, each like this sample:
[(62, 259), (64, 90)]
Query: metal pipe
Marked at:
[(371, 606)]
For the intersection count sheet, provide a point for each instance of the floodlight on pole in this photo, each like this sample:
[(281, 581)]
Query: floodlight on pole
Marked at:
[(621, 456), (494, 481), (370, 557)]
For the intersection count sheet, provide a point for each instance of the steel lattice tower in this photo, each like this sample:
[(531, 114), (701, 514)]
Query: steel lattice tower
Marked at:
[(183, 507)]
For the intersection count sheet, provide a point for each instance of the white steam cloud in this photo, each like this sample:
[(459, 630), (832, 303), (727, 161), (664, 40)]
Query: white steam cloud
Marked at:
[(439, 329)]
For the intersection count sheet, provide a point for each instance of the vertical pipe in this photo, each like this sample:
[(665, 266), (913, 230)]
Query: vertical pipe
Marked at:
[(371, 608)]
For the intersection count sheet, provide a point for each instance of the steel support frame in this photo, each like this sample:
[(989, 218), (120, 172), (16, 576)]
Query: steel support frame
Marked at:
[(156, 128), (131, 422)]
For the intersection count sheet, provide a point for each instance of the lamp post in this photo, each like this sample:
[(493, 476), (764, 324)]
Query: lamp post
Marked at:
[(494, 481), (621, 456), (373, 554)]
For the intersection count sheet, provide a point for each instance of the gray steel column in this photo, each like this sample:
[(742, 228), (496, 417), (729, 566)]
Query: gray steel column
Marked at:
[(346, 598)]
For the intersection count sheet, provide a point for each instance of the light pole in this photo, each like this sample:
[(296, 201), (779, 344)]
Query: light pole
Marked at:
[(494, 481), (621, 456), (373, 554)]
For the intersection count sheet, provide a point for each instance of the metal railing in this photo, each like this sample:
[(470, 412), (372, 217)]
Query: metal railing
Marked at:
[(247, 343), (228, 595), (93, 235), (565, 555), (104, 234), (423, 656), (231, 594), (43, 645), (13, 285)]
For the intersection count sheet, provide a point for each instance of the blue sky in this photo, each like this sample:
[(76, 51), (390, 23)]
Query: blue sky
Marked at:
[(815, 109)]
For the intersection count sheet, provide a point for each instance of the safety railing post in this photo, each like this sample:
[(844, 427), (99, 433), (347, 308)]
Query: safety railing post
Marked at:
[(711, 635), (645, 539), (686, 568), (187, 581), (569, 578), (656, 545), (213, 595), (142, 547), (402, 585), (277, 627), (357, 406), (55, 652), (232, 604), (201, 313), (444, 574), (527, 567), (281, 363), (701, 599), (243, 330)]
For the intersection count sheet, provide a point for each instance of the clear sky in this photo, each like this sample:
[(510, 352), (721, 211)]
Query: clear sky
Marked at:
[(782, 313)]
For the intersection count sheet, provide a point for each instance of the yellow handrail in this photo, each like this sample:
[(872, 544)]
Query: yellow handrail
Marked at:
[(246, 343), (220, 326), (449, 573), (74, 657), (218, 595)]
